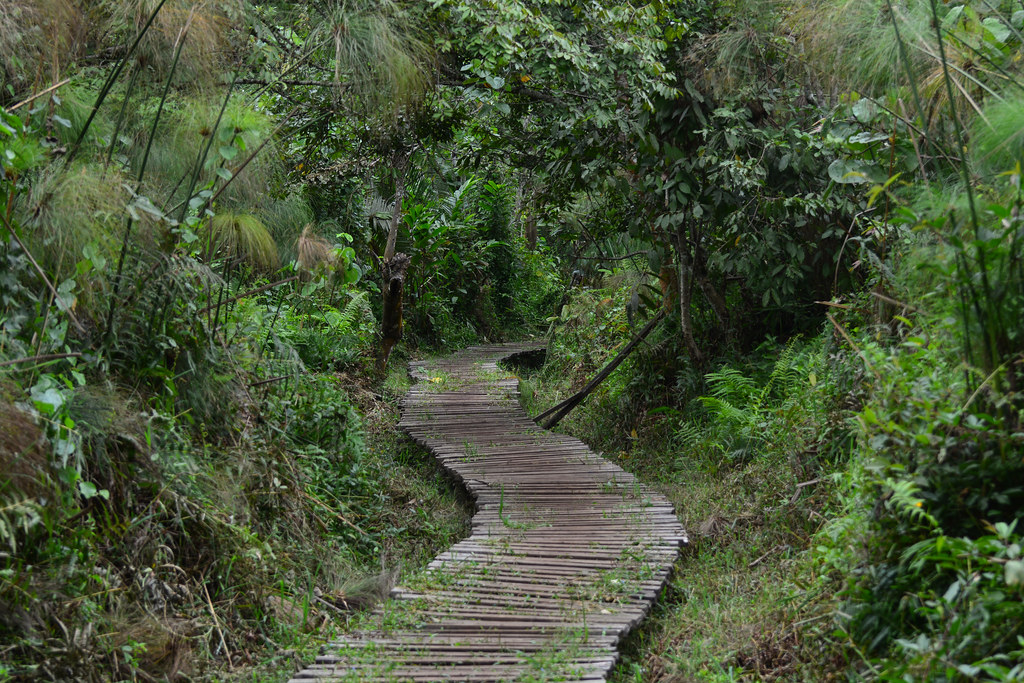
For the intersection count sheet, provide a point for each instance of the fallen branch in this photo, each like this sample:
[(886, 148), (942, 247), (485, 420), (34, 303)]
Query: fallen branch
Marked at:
[(849, 340), (44, 357), (845, 307), (269, 380), (760, 559), (894, 302), (562, 409), (796, 491), (39, 94)]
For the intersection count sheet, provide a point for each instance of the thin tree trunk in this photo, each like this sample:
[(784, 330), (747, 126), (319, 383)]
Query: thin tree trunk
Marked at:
[(685, 295), (393, 271), (393, 268), (396, 214), (714, 298)]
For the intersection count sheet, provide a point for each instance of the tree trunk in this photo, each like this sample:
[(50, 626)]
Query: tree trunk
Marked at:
[(530, 230), (396, 214), (686, 294), (393, 271), (713, 296), (393, 268)]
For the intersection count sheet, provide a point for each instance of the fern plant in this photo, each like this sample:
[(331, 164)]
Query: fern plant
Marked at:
[(352, 320), (745, 414)]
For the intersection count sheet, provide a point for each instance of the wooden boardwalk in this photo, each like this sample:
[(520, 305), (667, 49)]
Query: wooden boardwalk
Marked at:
[(567, 552)]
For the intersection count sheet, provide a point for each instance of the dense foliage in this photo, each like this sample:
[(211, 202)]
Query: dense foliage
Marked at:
[(200, 210)]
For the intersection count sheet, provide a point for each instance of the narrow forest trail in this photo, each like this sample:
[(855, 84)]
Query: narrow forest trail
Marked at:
[(566, 556)]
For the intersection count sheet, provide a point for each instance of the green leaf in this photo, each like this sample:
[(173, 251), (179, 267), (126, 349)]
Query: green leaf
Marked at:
[(1013, 573), (228, 152), (49, 401), (224, 173), (865, 110), (997, 28), (850, 171), (953, 16), (867, 137)]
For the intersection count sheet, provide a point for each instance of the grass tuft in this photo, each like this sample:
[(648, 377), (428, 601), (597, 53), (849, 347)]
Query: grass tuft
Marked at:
[(240, 235), (313, 250)]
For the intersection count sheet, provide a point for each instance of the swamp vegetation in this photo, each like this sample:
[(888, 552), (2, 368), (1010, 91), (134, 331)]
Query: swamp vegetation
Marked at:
[(220, 218)]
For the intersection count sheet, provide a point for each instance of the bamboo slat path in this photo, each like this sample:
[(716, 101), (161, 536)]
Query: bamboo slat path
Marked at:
[(566, 556)]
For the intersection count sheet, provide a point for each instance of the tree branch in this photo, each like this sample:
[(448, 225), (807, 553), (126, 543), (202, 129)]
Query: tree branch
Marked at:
[(44, 357), (286, 81), (611, 258), (536, 95)]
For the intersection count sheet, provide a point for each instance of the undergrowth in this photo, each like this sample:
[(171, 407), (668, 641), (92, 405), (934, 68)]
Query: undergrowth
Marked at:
[(853, 497), (747, 462)]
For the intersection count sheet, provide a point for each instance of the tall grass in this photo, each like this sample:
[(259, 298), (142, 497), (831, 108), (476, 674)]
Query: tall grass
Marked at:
[(209, 26), (238, 235), (70, 209), (38, 39), (379, 60), (959, 56), (189, 141)]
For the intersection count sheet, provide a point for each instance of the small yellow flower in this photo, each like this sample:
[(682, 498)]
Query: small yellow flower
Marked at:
[(435, 380), (917, 504)]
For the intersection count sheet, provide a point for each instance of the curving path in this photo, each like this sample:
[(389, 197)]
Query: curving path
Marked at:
[(567, 552)]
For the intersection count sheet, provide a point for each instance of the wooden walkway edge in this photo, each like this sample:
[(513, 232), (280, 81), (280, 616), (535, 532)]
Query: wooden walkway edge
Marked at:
[(567, 553)]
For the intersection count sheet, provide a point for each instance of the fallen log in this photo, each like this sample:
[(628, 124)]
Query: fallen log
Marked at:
[(559, 411)]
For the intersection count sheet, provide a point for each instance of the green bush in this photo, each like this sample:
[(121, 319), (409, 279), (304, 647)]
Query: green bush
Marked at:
[(937, 486)]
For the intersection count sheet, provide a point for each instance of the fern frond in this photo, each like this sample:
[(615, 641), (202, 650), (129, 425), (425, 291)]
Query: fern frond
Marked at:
[(689, 434), (348, 320), (903, 500), (728, 412), (731, 384), (783, 374)]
